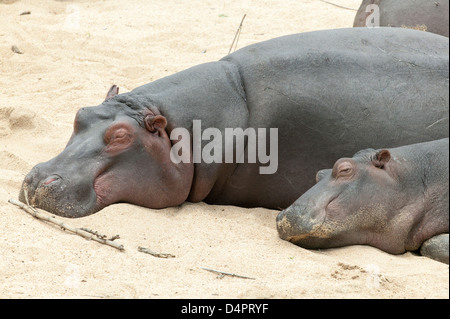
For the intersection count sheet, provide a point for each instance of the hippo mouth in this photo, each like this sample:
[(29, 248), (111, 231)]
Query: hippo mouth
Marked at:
[(309, 239)]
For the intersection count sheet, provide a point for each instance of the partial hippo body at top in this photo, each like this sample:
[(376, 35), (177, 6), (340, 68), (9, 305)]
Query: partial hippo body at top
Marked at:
[(425, 15), (329, 93), (394, 199)]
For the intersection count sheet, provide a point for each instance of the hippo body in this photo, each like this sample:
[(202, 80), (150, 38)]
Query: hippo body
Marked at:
[(329, 93), (427, 15), (394, 199)]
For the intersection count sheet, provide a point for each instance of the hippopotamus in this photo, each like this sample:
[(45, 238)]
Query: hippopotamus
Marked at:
[(425, 15), (394, 199), (300, 101)]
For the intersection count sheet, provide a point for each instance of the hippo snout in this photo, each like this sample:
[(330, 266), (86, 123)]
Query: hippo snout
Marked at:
[(52, 192), (38, 187), (296, 223)]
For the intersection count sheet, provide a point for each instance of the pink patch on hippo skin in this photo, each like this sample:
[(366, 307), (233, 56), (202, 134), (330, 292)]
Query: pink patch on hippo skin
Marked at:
[(50, 180), (118, 138)]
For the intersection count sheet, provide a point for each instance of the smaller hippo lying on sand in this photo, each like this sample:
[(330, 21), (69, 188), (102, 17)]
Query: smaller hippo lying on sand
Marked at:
[(396, 200)]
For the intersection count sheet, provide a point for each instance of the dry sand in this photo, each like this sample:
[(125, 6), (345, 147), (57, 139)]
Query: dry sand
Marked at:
[(72, 52)]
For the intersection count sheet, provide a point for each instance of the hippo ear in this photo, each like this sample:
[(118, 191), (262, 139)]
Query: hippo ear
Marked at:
[(155, 123), (381, 158), (113, 91)]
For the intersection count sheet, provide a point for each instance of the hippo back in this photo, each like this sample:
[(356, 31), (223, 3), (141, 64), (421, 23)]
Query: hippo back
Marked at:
[(331, 93)]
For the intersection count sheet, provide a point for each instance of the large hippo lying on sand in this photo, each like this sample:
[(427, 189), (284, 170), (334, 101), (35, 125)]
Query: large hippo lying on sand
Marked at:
[(317, 95), (394, 199), (426, 15)]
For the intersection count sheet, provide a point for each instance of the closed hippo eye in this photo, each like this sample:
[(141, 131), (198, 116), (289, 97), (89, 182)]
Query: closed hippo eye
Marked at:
[(343, 169), (117, 138), (120, 134)]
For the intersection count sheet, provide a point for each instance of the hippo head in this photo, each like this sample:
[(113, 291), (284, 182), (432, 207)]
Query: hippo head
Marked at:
[(118, 152), (345, 206)]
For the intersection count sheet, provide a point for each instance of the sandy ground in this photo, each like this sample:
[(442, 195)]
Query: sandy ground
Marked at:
[(72, 52)]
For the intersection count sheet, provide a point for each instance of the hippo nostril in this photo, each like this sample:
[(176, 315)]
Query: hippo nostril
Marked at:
[(50, 180)]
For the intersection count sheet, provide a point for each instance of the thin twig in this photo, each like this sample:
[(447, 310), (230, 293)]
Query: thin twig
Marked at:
[(35, 213), (336, 5), (236, 36), (222, 273), (155, 254), (101, 236)]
